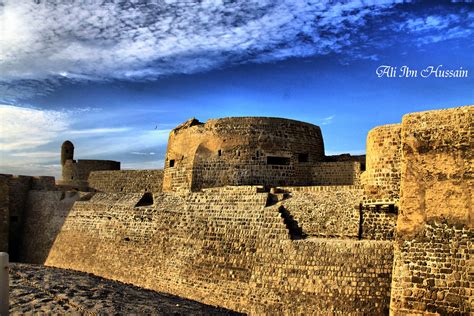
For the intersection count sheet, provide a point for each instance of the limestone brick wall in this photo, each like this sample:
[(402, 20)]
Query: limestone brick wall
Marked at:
[(222, 246), (336, 173), (333, 212), (382, 176), (437, 168), (433, 266), (43, 216), (241, 151), (126, 181), (4, 214), (77, 172), (13, 201), (434, 272), (323, 277), (378, 222)]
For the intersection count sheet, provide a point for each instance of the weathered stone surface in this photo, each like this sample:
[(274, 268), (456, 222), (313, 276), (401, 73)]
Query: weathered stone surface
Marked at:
[(325, 211), (381, 178), (433, 253), (13, 195), (437, 169), (37, 289), (43, 216), (224, 247), (378, 221), (258, 249), (434, 270), (251, 151), (75, 173), (4, 214), (126, 181)]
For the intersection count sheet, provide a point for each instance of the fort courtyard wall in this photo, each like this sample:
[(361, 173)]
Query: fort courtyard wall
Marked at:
[(14, 191), (126, 181), (227, 247)]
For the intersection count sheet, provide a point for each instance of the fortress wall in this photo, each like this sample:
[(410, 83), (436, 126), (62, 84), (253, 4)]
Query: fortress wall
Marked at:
[(223, 247), (435, 228), (382, 176), (433, 273), (183, 142), (329, 213), (378, 222), (323, 277), (241, 151), (85, 167), (336, 173), (126, 181), (77, 172), (13, 198), (4, 213), (43, 217)]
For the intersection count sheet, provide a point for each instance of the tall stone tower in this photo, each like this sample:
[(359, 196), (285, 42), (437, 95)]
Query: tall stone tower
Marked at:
[(67, 152)]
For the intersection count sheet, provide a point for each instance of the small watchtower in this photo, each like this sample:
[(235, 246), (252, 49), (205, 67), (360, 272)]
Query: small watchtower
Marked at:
[(67, 152)]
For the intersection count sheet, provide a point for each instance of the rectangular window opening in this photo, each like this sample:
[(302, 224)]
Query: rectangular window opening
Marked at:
[(275, 160), (303, 157), (171, 163)]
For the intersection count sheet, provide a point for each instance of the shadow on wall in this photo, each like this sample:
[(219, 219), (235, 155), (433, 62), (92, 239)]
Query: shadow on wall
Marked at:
[(44, 215)]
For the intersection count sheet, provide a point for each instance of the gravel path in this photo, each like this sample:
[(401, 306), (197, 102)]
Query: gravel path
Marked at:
[(40, 289)]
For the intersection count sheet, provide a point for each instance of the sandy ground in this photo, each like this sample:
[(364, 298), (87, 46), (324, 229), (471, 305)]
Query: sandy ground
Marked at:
[(44, 290)]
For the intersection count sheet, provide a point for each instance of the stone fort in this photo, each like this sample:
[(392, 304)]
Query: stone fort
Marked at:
[(250, 214)]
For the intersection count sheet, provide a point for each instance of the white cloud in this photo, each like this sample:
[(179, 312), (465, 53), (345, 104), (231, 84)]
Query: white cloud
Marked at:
[(158, 164), (99, 40), (327, 120), (37, 154), (30, 139), (99, 131), (142, 153), (26, 128)]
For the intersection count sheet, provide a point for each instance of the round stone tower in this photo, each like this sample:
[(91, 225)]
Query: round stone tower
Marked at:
[(67, 152), (242, 151), (382, 176)]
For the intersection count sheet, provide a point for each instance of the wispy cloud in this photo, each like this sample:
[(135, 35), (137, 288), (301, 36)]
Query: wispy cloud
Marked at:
[(48, 42), (327, 120), (26, 128), (142, 153), (156, 164), (37, 154), (92, 131), (31, 138)]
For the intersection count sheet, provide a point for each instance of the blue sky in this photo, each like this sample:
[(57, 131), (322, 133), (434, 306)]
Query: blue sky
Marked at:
[(115, 76)]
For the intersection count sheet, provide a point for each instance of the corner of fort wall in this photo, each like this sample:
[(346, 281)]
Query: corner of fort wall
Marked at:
[(433, 251), (14, 191)]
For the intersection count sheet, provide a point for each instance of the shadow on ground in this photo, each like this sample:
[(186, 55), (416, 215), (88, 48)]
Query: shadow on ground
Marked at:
[(40, 289)]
